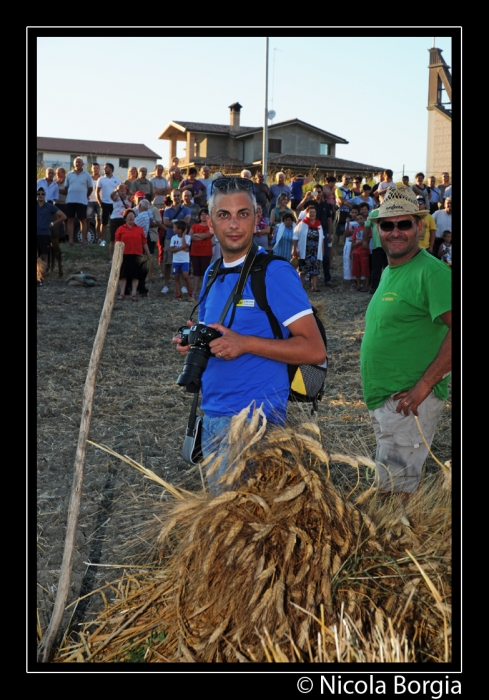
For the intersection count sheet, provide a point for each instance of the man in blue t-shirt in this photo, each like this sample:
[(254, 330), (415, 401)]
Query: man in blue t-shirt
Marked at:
[(247, 363), (177, 212)]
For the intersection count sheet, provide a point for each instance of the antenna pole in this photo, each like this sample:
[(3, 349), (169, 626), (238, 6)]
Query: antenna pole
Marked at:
[(265, 123)]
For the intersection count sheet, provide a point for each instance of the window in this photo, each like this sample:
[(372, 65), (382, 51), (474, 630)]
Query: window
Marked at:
[(123, 162), (275, 145), (40, 158), (324, 149)]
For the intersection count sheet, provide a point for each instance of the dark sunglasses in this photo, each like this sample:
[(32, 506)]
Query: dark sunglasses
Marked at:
[(403, 225), (222, 183)]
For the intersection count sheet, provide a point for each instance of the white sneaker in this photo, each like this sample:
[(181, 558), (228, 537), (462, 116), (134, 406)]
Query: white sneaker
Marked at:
[(184, 290), (165, 290)]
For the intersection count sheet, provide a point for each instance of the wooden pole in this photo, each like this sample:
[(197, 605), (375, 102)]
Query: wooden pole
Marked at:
[(46, 646)]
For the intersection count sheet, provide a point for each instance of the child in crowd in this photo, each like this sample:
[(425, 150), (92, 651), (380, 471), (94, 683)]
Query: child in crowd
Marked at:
[(445, 249), (201, 252), (351, 225), (180, 247), (360, 254)]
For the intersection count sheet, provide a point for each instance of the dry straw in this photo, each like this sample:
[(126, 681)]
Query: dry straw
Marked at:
[(283, 566)]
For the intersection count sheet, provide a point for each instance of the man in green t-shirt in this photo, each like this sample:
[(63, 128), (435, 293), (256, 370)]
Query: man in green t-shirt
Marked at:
[(406, 351)]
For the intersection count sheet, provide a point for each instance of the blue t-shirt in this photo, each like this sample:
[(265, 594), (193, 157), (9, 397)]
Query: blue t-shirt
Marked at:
[(296, 189), (169, 213), (44, 216), (228, 386)]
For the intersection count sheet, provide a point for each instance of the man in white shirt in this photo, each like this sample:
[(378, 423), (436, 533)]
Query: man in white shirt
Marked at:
[(105, 186), (79, 187), (206, 179), (50, 186), (93, 208), (443, 220), (161, 187)]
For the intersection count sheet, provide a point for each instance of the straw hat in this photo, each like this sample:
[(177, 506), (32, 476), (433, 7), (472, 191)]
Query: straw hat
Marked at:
[(398, 201)]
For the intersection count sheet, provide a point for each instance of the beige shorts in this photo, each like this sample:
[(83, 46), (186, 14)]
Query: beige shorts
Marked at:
[(401, 452)]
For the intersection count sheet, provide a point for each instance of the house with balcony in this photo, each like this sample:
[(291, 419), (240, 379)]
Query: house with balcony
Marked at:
[(293, 145)]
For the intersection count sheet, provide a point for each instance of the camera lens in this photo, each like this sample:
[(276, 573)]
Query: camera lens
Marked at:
[(195, 364)]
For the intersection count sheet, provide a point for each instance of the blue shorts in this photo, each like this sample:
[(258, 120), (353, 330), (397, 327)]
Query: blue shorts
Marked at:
[(177, 268)]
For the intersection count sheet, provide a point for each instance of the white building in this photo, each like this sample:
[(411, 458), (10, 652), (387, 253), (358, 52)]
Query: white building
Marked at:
[(54, 152)]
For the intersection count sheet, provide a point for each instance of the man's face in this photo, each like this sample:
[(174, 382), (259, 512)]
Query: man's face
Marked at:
[(446, 178), (41, 196), (400, 246), (421, 203), (232, 220), (78, 163), (60, 174), (405, 181), (143, 172), (419, 179), (187, 197), (259, 178), (107, 170), (159, 170), (176, 197), (432, 181), (205, 173), (345, 180), (356, 184), (281, 179), (381, 177), (49, 174), (318, 193), (448, 204), (96, 170)]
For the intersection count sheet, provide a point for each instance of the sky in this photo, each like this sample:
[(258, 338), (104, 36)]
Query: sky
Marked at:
[(370, 90)]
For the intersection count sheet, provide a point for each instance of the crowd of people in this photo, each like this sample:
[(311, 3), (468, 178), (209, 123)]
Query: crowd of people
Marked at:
[(389, 236), (285, 224)]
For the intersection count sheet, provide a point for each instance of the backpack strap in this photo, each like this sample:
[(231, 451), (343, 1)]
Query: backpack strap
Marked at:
[(259, 289)]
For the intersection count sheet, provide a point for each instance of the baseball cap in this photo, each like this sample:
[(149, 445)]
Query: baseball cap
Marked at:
[(140, 193)]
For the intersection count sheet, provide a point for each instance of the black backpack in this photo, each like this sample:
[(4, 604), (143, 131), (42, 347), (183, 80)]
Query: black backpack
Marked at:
[(306, 381)]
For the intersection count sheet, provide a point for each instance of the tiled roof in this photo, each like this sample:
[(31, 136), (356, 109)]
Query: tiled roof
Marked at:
[(321, 162), (216, 128), (105, 148), (271, 127)]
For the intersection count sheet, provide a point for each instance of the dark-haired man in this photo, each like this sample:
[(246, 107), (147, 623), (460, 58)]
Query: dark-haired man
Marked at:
[(142, 184), (198, 190), (48, 215), (406, 349), (248, 365)]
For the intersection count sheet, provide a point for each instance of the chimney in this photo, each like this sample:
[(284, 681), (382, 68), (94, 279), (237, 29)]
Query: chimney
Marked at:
[(234, 116)]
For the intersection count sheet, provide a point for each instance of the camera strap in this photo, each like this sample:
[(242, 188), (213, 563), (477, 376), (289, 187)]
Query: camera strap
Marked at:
[(235, 296)]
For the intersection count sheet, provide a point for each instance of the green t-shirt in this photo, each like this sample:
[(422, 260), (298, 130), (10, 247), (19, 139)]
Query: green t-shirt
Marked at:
[(373, 225), (403, 328)]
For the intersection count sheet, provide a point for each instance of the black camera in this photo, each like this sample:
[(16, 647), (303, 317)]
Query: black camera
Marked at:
[(198, 337)]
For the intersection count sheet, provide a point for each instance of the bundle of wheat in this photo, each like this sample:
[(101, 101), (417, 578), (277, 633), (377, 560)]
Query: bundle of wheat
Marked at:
[(272, 566), (41, 269)]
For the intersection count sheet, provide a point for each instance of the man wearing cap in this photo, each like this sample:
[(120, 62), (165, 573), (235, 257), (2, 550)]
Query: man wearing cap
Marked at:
[(405, 357), (105, 186)]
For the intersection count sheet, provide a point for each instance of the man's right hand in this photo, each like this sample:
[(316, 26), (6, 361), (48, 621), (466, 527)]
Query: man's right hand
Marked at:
[(183, 350)]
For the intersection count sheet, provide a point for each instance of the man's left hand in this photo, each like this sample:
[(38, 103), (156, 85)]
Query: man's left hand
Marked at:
[(230, 346), (410, 400)]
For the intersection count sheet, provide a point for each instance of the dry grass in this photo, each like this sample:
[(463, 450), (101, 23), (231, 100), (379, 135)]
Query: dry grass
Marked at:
[(283, 566)]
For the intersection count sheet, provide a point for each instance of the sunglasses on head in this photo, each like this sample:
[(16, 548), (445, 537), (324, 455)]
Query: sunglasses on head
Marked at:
[(222, 183), (403, 225)]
